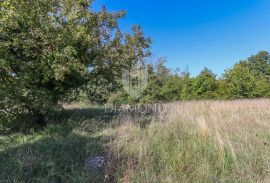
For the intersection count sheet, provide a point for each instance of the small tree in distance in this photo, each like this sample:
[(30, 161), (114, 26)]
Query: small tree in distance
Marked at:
[(240, 82), (205, 85)]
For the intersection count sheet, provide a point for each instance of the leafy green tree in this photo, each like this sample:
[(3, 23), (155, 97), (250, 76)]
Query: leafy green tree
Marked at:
[(241, 82), (119, 97), (205, 85), (172, 88), (50, 47), (157, 75), (164, 85), (262, 87), (186, 86), (259, 64), (222, 89)]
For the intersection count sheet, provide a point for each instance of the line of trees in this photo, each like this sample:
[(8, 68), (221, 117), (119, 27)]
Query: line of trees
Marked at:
[(248, 78)]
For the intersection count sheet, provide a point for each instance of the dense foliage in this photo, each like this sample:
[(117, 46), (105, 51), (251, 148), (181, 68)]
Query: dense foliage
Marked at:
[(246, 79), (49, 47)]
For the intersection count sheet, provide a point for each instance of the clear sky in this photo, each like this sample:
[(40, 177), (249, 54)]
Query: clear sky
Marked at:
[(199, 33)]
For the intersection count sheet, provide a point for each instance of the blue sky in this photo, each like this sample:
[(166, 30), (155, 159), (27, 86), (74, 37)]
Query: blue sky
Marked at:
[(199, 33)]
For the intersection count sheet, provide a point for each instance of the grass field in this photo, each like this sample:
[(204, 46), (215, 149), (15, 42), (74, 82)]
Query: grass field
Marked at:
[(197, 141)]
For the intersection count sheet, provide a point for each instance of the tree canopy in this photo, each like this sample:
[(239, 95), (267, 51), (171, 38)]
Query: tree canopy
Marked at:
[(48, 47)]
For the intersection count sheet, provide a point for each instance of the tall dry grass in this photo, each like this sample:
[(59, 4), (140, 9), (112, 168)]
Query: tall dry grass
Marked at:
[(197, 141), (205, 141)]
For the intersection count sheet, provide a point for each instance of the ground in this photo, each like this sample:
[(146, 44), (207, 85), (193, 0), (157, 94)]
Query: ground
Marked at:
[(196, 141)]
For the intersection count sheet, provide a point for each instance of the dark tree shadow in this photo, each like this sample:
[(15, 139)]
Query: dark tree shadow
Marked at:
[(53, 160), (61, 151), (25, 123)]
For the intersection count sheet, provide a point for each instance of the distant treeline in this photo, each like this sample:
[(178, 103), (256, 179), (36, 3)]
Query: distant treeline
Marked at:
[(246, 79)]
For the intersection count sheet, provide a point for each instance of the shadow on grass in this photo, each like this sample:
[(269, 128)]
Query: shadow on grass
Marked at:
[(25, 122), (58, 152), (101, 116), (52, 160)]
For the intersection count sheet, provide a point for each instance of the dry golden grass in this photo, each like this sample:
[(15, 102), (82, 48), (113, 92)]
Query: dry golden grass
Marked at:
[(197, 141)]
